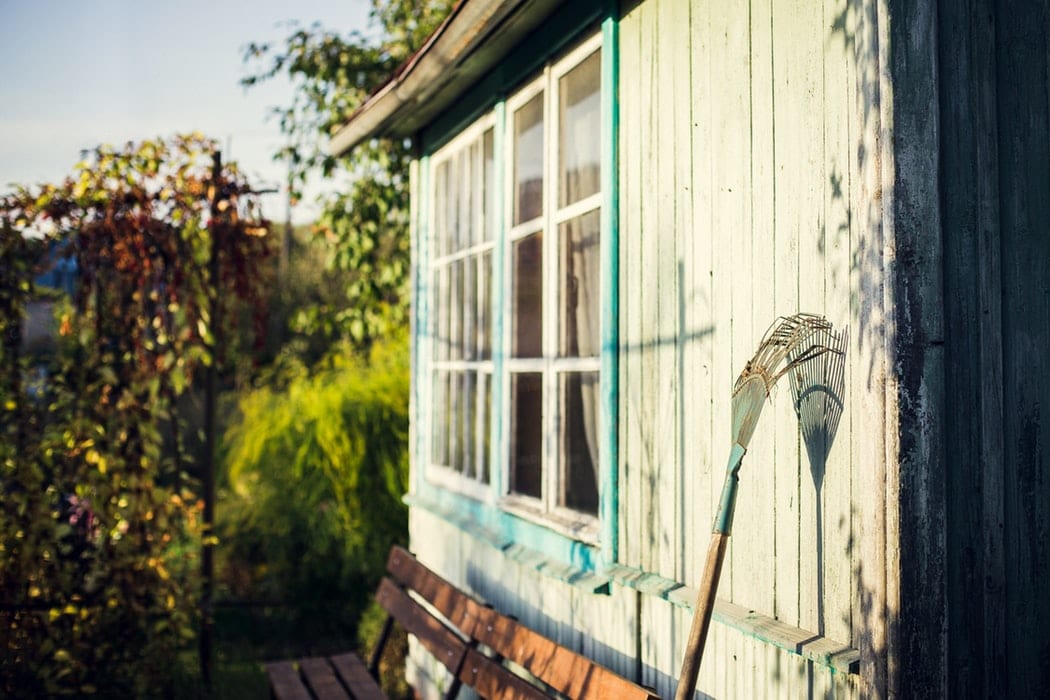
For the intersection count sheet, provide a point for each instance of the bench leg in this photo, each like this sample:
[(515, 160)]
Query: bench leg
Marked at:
[(377, 651)]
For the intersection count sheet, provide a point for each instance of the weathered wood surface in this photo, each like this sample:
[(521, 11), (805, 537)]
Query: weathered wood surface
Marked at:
[(752, 208)]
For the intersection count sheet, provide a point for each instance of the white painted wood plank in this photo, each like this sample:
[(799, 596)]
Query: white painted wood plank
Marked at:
[(838, 526), (667, 60), (706, 446), (872, 443), (631, 534), (789, 155), (681, 162), (647, 398), (760, 462), (731, 120), (695, 341), (804, 110), (661, 654)]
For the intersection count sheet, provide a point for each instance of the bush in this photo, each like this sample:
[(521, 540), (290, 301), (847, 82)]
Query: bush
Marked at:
[(315, 473)]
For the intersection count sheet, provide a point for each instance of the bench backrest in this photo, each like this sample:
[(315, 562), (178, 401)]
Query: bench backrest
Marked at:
[(467, 623)]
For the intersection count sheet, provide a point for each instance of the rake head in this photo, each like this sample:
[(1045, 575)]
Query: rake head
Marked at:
[(789, 343)]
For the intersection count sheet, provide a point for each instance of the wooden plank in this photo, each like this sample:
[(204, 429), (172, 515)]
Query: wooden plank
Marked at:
[(632, 540), (321, 679), (451, 602), (705, 445), (351, 670), (556, 665), (805, 101), (491, 680), (872, 480), (760, 463), (285, 683), (790, 69), (1023, 95), (432, 634), (646, 398), (749, 548), (668, 58), (697, 324), (838, 541), (680, 164)]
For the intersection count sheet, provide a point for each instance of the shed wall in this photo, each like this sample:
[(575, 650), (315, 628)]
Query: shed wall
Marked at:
[(748, 192), (972, 222)]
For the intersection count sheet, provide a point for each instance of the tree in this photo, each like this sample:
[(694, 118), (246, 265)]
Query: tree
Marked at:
[(365, 227), (101, 524)]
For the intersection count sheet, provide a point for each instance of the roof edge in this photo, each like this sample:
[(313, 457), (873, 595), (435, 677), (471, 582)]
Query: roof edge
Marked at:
[(469, 22)]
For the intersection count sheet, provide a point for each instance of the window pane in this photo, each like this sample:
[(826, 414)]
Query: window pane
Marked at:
[(455, 336), (465, 436), (441, 210), (579, 127), (465, 193), (579, 291), (485, 424), (579, 441), (454, 420), (452, 206), (485, 306), (528, 160), (528, 296), (470, 307), (489, 187), (441, 315), (440, 426), (526, 434)]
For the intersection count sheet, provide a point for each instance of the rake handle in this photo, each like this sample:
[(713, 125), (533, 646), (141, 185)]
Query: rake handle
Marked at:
[(705, 603)]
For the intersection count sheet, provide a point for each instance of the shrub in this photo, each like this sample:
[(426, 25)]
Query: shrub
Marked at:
[(315, 475)]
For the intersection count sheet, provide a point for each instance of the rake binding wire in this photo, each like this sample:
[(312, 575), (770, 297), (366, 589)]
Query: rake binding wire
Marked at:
[(789, 344)]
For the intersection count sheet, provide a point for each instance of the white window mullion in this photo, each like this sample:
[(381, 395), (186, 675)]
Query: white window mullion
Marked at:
[(551, 417)]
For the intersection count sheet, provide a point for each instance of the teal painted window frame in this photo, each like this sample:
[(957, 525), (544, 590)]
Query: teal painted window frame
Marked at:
[(562, 554)]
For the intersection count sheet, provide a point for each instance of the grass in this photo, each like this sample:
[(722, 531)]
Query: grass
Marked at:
[(248, 636)]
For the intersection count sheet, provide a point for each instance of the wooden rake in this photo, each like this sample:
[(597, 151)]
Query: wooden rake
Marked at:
[(788, 344)]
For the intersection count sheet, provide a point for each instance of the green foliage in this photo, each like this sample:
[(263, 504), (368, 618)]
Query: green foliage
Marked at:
[(316, 472), (100, 527), (366, 227), (392, 662)]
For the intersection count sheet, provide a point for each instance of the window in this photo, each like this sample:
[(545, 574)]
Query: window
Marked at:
[(548, 293), (461, 286)]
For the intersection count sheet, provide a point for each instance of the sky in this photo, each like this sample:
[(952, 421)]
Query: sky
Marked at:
[(78, 73)]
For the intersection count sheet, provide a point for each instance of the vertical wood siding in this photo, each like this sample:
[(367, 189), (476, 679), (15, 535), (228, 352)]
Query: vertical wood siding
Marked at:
[(747, 192), (975, 484)]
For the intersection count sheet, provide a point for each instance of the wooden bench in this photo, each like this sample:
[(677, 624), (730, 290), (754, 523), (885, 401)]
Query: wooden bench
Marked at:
[(473, 641)]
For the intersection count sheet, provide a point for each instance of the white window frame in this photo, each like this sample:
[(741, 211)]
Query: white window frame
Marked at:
[(439, 474), (544, 511)]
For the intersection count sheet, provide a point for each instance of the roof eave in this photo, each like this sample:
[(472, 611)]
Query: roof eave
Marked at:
[(436, 75)]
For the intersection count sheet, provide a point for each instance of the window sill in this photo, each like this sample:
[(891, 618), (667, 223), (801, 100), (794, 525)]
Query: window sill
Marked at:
[(573, 575), (583, 528), (837, 656)]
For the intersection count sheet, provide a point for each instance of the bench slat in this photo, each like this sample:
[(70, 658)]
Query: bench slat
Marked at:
[(457, 607), (563, 669), (491, 680), (432, 634), (285, 682), (351, 670), (320, 677)]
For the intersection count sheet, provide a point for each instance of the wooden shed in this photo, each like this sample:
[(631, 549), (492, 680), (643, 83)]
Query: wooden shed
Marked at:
[(612, 202)]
